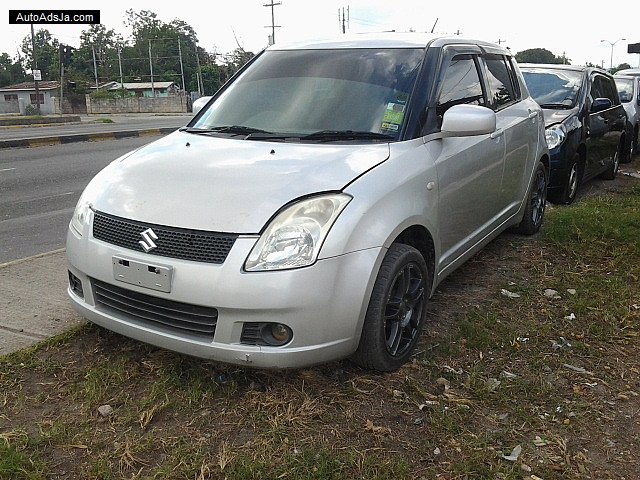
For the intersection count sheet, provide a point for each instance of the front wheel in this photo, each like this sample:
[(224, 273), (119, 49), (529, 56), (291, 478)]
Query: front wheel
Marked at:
[(396, 312), (568, 191), (536, 203), (611, 172)]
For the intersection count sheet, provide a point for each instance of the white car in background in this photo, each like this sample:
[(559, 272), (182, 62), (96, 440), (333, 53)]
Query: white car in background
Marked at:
[(199, 103)]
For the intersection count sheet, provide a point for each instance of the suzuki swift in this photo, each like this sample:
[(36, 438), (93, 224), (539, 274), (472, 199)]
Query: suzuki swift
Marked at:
[(308, 212)]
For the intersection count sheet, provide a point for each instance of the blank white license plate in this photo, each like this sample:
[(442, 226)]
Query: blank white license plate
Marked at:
[(147, 275)]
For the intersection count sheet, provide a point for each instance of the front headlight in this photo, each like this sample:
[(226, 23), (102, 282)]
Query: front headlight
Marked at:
[(555, 135), (80, 216), (294, 237)]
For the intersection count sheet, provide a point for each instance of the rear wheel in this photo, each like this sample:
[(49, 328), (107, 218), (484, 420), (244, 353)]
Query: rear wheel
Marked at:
[(569, 189), (396, 312), (611, 172), (536, 203)]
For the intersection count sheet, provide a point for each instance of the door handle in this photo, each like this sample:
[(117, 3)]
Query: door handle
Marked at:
[(533, 114), (497, 133)]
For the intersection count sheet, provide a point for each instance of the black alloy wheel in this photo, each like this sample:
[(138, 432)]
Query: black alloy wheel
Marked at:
[(536, 203), (397, 310)]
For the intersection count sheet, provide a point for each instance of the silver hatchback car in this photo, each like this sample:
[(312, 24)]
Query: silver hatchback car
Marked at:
[(309, 211)]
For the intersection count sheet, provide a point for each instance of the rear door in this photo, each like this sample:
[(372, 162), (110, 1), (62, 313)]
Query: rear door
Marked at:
[(517, 120), (469, 169), (605, 126)]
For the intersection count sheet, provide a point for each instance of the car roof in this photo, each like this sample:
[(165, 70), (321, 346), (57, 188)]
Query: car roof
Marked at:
[(629, 71), (560, 66), (385, 40)]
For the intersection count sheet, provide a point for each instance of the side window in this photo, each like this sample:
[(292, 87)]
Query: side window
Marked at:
[(460, 85), (514, 78), (610, 90), (599, 88), (501, 90)]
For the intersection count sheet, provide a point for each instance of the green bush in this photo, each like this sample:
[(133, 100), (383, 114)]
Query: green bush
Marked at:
[(108, 94)]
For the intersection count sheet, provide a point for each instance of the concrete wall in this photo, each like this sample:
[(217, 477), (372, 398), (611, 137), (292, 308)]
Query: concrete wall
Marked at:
[(45, 108), (9, 107), (171, 104)]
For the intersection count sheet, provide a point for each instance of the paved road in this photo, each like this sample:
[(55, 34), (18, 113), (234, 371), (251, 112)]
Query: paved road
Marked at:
[(121, 123), (40, 187)]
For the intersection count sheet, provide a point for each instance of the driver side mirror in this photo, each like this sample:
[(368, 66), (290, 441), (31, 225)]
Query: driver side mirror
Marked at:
[(600, 104)]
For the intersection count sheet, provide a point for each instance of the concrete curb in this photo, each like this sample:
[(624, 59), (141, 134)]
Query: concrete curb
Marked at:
[(44, 311), (83, 137)]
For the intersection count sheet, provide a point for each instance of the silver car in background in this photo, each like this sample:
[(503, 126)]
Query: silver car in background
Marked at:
[(629, 90), (310, 210)]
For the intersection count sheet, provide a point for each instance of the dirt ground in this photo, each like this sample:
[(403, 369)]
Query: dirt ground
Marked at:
[(500, 388)]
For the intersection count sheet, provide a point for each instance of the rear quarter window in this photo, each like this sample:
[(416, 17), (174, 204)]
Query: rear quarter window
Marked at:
[(501, 81)]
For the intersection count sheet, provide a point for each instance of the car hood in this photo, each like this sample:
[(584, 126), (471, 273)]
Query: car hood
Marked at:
[(554, 116), (220, 184)]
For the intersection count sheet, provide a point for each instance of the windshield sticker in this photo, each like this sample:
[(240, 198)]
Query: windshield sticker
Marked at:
[(393, 115)]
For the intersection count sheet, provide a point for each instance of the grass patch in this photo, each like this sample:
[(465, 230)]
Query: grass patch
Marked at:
[(15, 465), (556, 375)]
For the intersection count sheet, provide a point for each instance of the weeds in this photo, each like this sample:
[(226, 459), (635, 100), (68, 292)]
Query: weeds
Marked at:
[(557, 375)]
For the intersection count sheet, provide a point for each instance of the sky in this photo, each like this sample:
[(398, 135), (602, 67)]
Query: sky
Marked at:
[(563, 27)]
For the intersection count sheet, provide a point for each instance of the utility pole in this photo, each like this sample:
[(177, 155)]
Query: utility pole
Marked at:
[(499, 42), (181, 67), (344, 21), (153, 90), (34, 63), (120, 67), (60, 54), (272, 40), (95, 66), (199, 71)]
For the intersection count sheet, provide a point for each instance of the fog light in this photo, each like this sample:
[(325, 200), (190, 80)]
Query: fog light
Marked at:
[(265, 333), (280, 333)]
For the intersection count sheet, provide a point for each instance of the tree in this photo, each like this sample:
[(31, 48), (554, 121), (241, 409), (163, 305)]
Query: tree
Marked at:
[(10, 72), (47, 55), (622, 66), (540, 55), (168, 41), (211, 78), (104, 42), (235, 60)]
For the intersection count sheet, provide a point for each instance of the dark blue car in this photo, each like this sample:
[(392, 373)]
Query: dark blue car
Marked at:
[(584, 121)]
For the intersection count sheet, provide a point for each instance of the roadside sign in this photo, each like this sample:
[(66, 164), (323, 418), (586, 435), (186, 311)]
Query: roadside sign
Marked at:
[(37, 75)]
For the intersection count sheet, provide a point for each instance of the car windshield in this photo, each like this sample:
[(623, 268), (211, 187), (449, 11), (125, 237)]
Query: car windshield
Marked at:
[(553, 88), (625, 89), (324, 95)]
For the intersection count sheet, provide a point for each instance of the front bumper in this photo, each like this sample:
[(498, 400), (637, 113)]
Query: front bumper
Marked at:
[(324, 304)]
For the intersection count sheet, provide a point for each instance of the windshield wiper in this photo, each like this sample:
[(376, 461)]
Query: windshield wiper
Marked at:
[(346, 135), (232, 129), (555, 106)]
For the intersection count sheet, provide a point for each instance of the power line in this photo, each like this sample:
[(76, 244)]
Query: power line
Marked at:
[(272, 39)]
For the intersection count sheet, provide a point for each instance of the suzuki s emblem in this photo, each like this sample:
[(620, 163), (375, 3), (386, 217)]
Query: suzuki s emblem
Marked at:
[(148, 243)]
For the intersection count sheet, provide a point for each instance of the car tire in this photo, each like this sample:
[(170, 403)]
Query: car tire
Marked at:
[(397, 310), (536, 203), (567, 193), (612, 170), (629, 146)]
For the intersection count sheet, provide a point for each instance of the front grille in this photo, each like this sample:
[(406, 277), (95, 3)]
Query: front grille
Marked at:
[(154, 311), (185, 244)]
